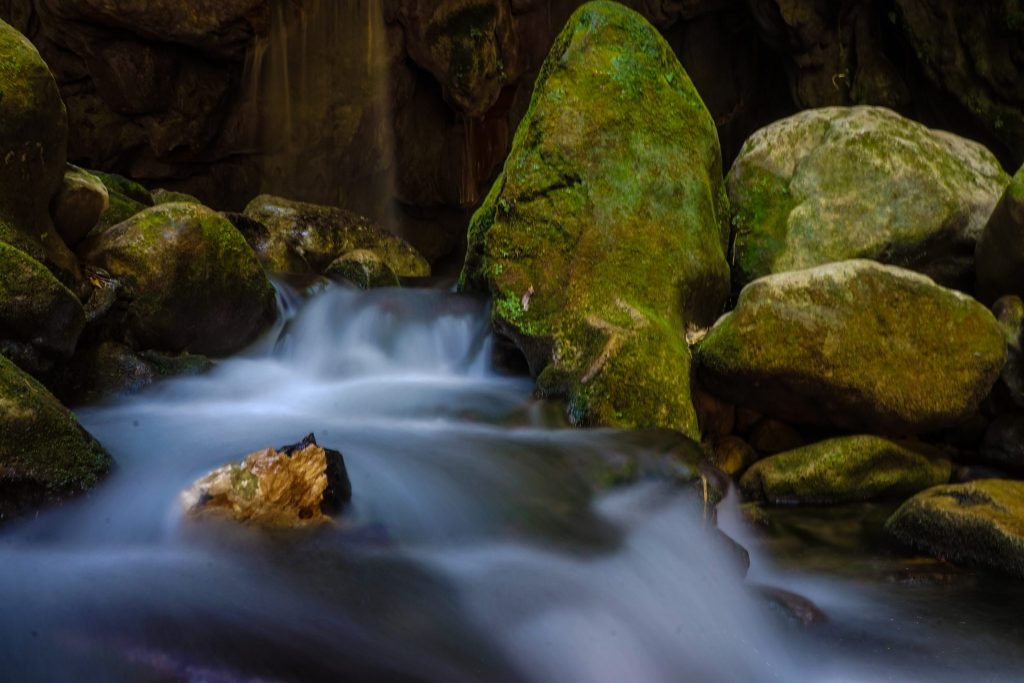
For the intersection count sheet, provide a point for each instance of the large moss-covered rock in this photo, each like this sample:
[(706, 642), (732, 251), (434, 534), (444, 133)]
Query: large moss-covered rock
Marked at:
[(45, 455), (843, 470), (1000, 254), (192, 281), (605, 234), (35, 307), (856, 345), (33, 150), (980, 523), (296, 237), (840, 183)]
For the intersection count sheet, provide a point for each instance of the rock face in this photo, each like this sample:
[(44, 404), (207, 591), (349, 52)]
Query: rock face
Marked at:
[(296, 237), (33, 149), (297, 486), (1000, 254), (605, 233), (980, 524), (192, 281), (362, 268), (840, 183), (844, 470), (855, 345), (77, 208), (35, 307), (45, 455)]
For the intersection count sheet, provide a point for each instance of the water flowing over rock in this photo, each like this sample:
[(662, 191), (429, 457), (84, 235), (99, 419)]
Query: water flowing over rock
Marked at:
[(979, 524), (839, 183), (845, 469), (33, 149), (1000, 253), (605, 234), (855, 345), (45, 455), (192, 281), (297, 486), (297, 237)]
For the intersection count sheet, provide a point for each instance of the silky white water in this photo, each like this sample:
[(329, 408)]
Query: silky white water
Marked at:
[(472, 552)]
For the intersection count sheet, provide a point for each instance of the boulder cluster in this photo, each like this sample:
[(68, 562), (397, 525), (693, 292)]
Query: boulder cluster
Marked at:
[(837, 319), (106, 286)]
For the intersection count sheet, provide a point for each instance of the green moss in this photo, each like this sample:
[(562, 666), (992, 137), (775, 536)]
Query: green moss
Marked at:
[(126, 187), (843, 470)]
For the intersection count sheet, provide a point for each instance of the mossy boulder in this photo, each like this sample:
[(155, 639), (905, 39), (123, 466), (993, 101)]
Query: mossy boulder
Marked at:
[(841, 183), (79, 203), (844, 470), (125, 187), (111, 368), (363, 268), (604, 236), (33, 151), (35, 307), (297, 237), (192, 282), (856, 345), (980, 523), (1000, 254), (45, 455), (162, 196)]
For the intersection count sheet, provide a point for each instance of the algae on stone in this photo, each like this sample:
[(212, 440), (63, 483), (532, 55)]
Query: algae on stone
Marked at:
[(979, 524), (840, 183), (605, 234), (45, 455), (843, 470), (193, 282), (856, 345)]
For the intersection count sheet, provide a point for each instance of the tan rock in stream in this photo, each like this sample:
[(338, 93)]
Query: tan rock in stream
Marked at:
[(294, 487)]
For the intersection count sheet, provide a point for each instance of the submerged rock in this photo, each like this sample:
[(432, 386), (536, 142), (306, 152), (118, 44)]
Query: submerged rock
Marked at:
[(45, 455), (605, 235), (855, 345), (363, 268), (296, 237), (843, 470), (33, 150), (840, 183), (35, 307), (295, 486), (1000, 254), (979, 524), (192, 282), (77, 208)]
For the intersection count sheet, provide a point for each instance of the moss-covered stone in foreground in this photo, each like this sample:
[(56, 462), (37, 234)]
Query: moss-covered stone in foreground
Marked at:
[(979, 524), (605, 234), (855, 345), (844, 470), (35, 307), (193, 282), (45, 455)]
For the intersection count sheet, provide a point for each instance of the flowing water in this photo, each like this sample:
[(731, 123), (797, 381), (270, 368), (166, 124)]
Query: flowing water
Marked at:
[(471, 552)]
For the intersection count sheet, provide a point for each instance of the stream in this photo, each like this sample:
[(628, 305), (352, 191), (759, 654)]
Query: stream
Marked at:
[(471, 551)]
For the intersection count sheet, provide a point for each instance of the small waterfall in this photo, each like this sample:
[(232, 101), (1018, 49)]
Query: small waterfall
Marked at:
[(318, 103)]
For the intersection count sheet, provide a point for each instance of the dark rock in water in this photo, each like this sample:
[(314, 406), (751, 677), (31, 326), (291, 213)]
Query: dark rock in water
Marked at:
[(191, 280), (45, 455), (363, 268), (845, 469), (77, 208), (797, 608), (605, 235), (33, 152), (855, 345), (302, 238), (1000, 255), (977, 524), (299, 485), (338, 493), (35, 308), (771, 436)]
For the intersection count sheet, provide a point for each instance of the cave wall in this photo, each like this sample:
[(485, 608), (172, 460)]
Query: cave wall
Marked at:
[(183, 95)]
